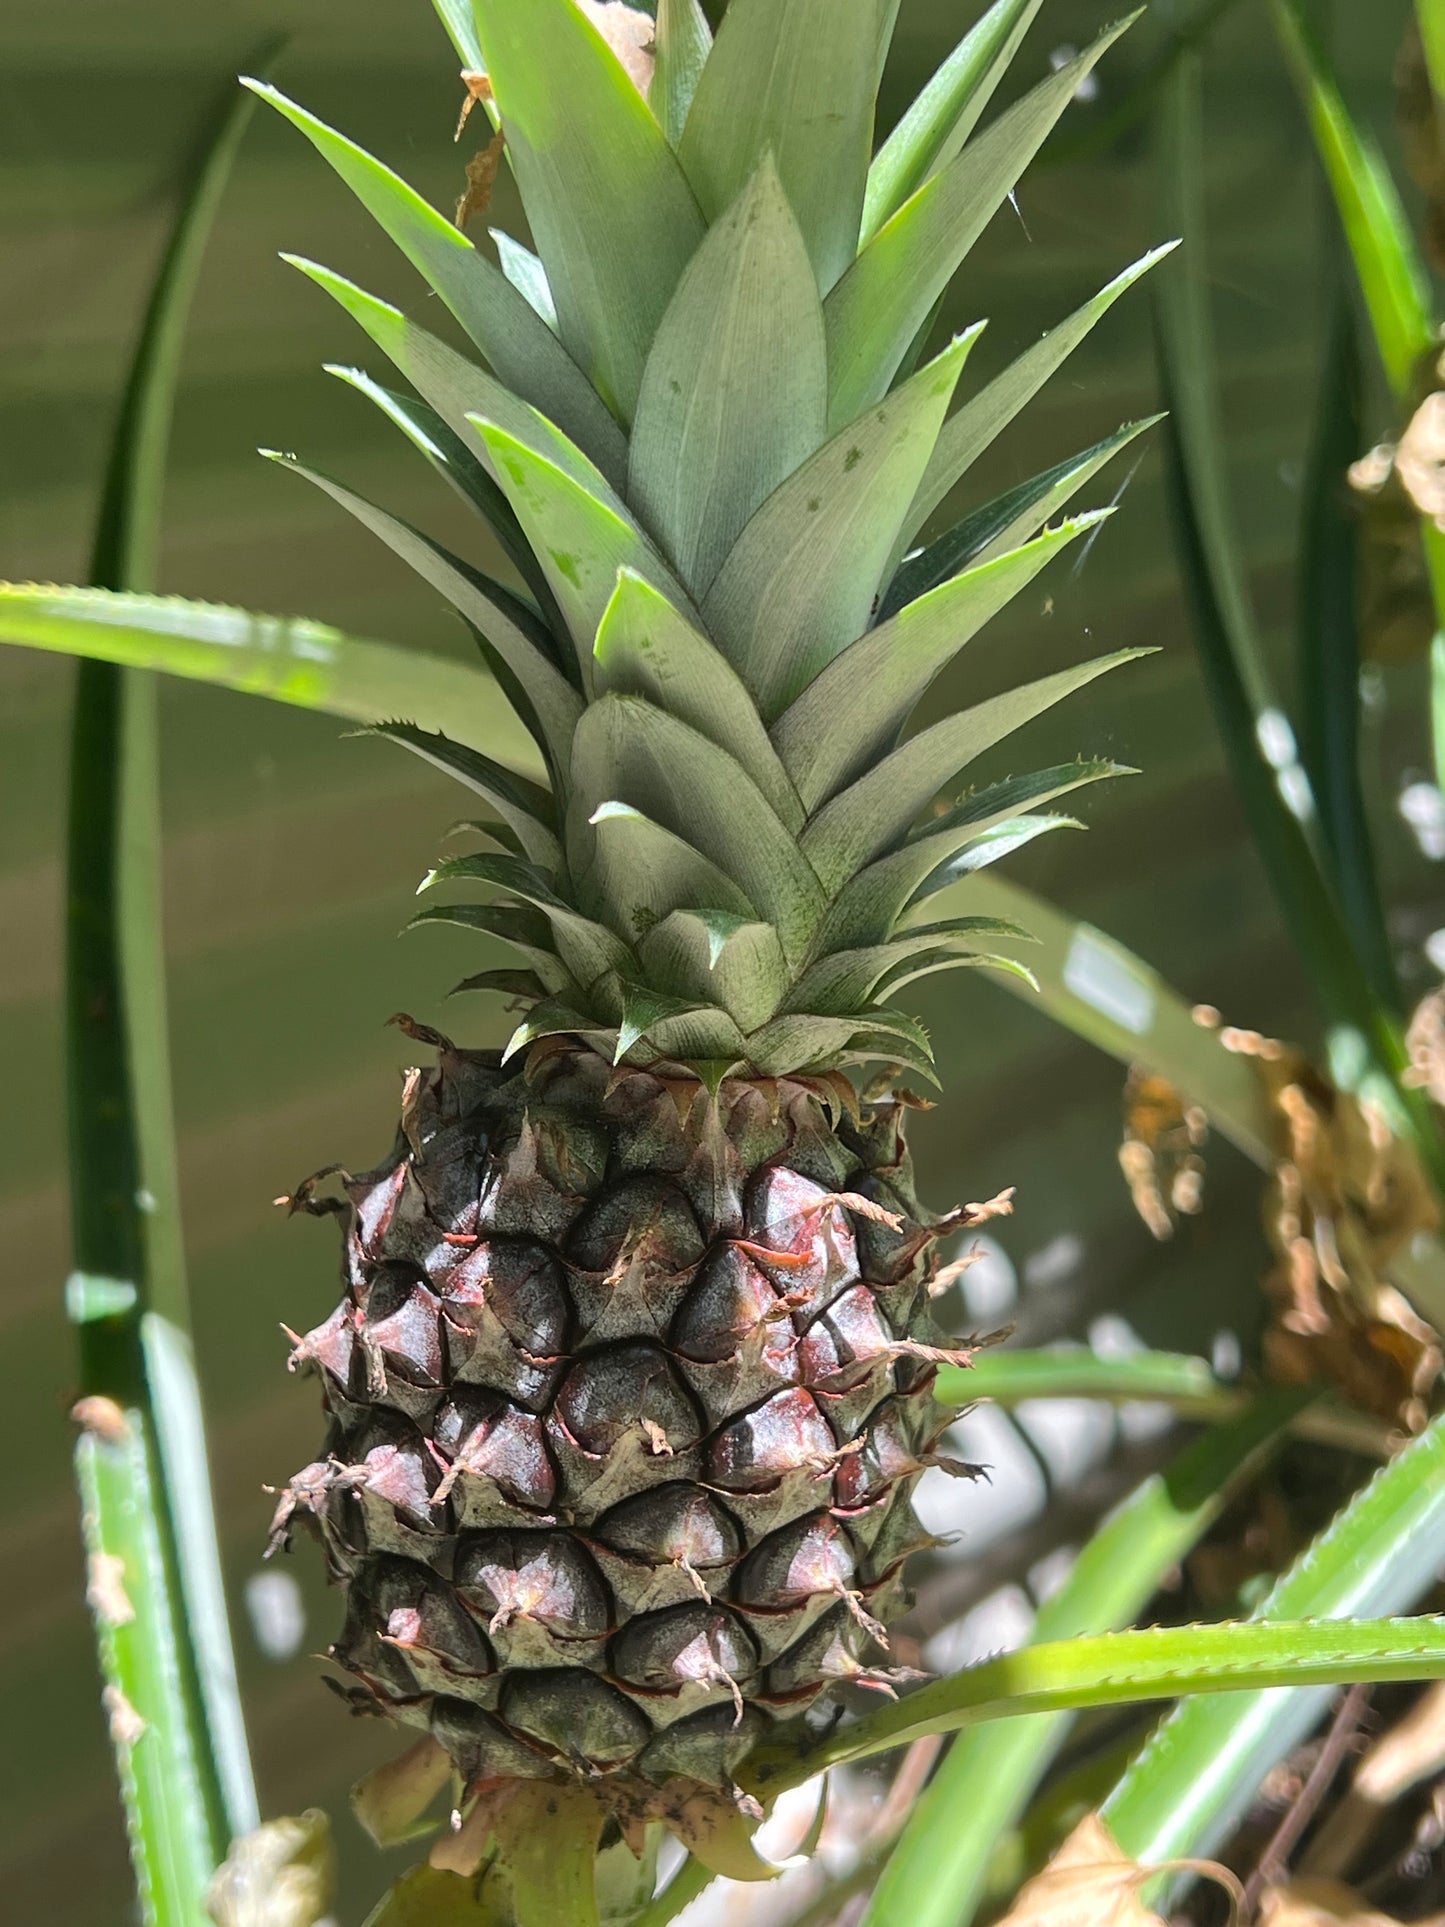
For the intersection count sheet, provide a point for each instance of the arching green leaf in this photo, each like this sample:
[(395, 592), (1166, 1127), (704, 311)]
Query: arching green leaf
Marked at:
[(878, 809), (529, 809), (713, 956), (526, 356), (856, 706), (589, 950), (946, 112), (636, 873), (526, 274)]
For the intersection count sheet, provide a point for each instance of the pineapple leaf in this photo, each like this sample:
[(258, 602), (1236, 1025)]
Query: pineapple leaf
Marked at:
[(858, 704), (928, 963), (554, 1018), (580, 539), (870, 904), (520, 348), (842, 984), (1005, 522), (626, 748), (459, 466), (797, 1040), (676, 1026), (797, 81), (523, 984), (989, 846), (801, 581), (637, 873), (682, 44), (644, 647), (588, 949), (517, 925), (875, 310), (712, 956), (455, 387), (735, 391), (879, 808), (288, 660), (613, 216), (526, 274), (968, 432), (946, 112), (508, 625), (529, 809)]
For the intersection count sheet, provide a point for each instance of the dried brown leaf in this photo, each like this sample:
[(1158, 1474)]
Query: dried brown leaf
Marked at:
[(629, 33), (281, 1875), (1091, 1882), (1318, 1903)]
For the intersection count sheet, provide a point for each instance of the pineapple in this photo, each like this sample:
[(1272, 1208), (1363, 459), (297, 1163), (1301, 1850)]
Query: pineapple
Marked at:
[(630, 1381)]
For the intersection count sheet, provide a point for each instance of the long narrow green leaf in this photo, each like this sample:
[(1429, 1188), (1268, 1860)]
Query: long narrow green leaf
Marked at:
[(974, 426), (611, 211), (1182, 1794), (873, 813), (856, 705), (877, 308), (1391, 273), (507, 624), (801, 580), (1129, 1669), (155, 1589), (735, 390), (798, 82), (935, 1875), (522, 350), (943, 116), (1328, 650), (1004, 523), (281, 657), (460, 22)]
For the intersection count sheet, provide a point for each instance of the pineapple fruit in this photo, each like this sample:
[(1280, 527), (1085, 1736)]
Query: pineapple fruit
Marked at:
[(630, 1381)]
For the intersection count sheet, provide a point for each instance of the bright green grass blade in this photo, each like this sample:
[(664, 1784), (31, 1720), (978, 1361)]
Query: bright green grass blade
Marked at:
[(610, 209), (1327, 644), (1182, 1794), (1391, 273), (935, 1875), (856, 706), (801, 580), (681, 46), (968, 432), (627, 749), (281, 657), (520, 348), (706, 955), (455, 387), (797, 81), (878, 809), (877, 308), (460, 466), (1004, 523), (507, 624), (156, 1594), (639, 873), (580, 540), (526, 274), (943, 116), (457, 17), (528, 809), (735, 392), (645, 647), (1130, 1669)]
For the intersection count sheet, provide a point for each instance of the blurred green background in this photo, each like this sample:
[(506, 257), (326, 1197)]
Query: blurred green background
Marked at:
[(291, 853)]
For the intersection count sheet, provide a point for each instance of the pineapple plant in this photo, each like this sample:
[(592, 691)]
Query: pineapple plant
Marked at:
[(631, 1377)]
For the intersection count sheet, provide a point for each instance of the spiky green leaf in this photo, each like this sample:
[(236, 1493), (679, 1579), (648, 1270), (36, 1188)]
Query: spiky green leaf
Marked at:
[(682, 44)]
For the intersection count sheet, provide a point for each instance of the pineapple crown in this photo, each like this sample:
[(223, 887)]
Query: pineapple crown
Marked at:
[(704, 432)]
